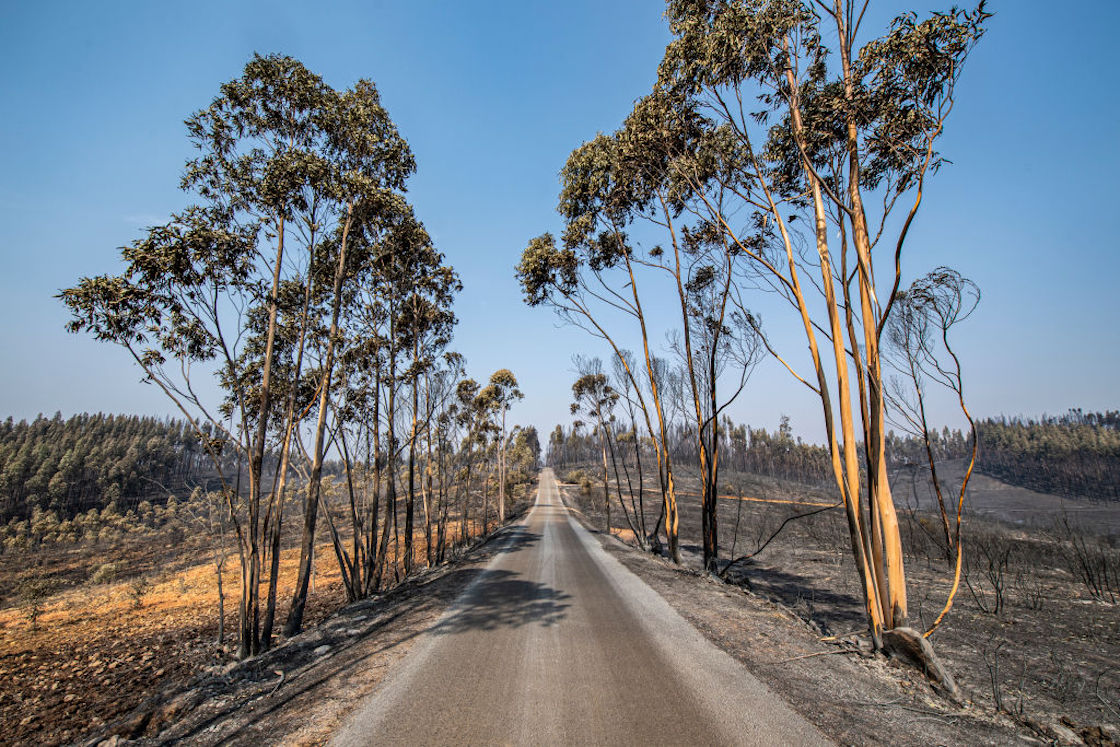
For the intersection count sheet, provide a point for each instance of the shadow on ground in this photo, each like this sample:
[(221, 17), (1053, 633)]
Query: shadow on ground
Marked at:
[(256, 690), (830, 610), (503, 599)]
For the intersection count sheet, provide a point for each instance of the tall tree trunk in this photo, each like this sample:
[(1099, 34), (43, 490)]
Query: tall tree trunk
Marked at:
[(641, 484), (502, 471), (277, 509), (426, 491), (441, 532), (251, 565), (294, 622), (410, 498), (465, 509), (606, 478), (373, 573)]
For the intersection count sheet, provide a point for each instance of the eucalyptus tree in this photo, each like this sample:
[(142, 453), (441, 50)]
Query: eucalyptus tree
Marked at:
[(526, 447), (555, 455), (485, 419), (438, 386), (620, 363), (412, 289), (763, 124), (467, 415), (611, 185), (187, 296), (718, 336), (498, 397), (366, 162), (441, 416), (426, 325), (394, 258), (919, 349), (593, 396), (286, 166), (573, 279)]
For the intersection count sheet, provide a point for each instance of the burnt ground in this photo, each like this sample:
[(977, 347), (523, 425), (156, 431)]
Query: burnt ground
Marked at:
[(1036, 653), (1042, 667), (99, 654), (303, 690)]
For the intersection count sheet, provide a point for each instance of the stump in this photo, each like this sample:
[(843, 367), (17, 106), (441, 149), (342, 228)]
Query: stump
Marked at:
[(909, 646)]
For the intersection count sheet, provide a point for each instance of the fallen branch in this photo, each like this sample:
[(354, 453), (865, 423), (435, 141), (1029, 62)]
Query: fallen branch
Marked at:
[(1105, 703), (841, 636), (815, 653), (278, 684), (777, 531), (897, 703)]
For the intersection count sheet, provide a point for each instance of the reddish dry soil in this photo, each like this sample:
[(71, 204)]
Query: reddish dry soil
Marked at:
[(97, 651), (93, 655)]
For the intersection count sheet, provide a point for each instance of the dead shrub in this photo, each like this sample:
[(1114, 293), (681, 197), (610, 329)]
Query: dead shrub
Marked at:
[(1091, 561), (986, 575), (137, 589)]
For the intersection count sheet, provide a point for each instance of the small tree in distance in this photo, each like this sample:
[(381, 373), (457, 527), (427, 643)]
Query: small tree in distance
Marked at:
[(596, 398), (497, 398)]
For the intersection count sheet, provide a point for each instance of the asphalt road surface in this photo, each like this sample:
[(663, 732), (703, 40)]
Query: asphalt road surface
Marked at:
[(557, 643)]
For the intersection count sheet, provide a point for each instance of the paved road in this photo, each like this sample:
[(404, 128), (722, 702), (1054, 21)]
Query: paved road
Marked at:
[(557, 643)]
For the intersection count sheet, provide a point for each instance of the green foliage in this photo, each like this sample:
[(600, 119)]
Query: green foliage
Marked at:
[(545, 271), (302, 280), (66, 468), (138, 588), (105, 573), (524, 453), (579, 477)]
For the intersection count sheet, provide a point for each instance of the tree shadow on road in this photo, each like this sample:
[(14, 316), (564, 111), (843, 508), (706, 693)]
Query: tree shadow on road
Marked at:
[(503, 599), (510, 539)]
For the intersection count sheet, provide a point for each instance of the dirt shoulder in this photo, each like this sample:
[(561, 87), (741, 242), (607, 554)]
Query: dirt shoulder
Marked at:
[(853, 697)]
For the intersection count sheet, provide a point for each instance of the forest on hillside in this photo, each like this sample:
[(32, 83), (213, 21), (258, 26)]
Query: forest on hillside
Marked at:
[(93, 461), (68, 481), (97, 461), (1075, 455)]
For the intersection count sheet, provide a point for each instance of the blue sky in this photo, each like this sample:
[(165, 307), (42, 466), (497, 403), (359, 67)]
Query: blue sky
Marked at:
[(492, 97)]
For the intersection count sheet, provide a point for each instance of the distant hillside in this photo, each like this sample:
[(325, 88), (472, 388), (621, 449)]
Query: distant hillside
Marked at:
[(90, 461), (1076, 455)]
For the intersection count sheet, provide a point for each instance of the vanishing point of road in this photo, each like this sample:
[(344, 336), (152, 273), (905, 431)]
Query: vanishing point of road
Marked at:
[(557, 643)]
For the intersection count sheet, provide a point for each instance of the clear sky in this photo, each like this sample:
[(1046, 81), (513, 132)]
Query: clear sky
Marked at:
[(492, 96)]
